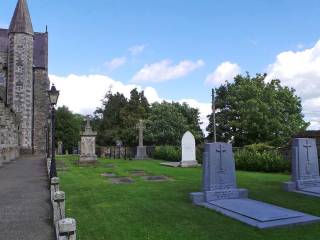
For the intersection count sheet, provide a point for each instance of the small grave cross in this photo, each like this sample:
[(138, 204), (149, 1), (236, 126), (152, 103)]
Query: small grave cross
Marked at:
[(307, 146), (221, 150), (140, 126)]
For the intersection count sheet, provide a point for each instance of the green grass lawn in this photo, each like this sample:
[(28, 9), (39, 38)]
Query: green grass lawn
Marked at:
[(163, 210)]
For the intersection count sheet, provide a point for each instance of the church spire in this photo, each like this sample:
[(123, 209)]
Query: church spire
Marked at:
[(21, 20)]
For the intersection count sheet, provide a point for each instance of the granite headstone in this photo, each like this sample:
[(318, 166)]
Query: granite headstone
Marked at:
[(220, 193), (305, 167)]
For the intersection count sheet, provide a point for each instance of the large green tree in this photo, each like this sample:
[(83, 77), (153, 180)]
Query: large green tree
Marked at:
[(167, 122), (251, 110), (68, 127), (117, 118)]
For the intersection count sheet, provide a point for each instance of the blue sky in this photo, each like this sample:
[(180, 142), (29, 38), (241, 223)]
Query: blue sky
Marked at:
[(85, 36)]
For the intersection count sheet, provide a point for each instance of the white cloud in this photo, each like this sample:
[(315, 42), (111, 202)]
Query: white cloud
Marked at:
[(301, 70), (225, 71), (137, 49), (83, 94), (115, 63), (164, 71)]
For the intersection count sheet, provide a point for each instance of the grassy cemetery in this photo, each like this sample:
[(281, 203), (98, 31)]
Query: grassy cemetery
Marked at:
[(159, 177), (193, 121), (162, 209)]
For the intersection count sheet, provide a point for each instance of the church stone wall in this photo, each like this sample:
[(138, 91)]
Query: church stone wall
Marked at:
[(20, 84), (41, 110), (9, 134)]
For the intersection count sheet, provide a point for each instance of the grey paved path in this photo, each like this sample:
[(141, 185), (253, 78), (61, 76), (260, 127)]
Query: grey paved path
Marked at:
[(25, 210)]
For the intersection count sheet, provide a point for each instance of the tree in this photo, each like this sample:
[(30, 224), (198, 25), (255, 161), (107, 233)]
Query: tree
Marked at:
[(251, 110), (167, 122), (117, 118), (68, 127)]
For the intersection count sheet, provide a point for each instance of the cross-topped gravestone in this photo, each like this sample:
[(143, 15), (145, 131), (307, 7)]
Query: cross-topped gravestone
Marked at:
[(188, 148), (220, 193), (219, 170), (141, 150), (305, 167), (141, 127)]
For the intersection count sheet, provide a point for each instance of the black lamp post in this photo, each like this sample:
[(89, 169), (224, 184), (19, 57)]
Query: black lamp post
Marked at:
[(53, 97)]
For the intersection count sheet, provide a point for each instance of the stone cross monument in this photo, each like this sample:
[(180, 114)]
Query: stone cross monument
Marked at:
[(88, 145), (141, 150)]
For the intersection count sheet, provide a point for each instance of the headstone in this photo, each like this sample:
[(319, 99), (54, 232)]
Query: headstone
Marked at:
[(305, 167), (220, 193), (88, 145), (141, 150), (188, 148), (60, 150)]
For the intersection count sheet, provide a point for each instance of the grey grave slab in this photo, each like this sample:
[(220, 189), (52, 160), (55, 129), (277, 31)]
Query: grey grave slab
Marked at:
[(220, 193), (170, 164), (109, 165), (305, 168), (121, 180), (259, 214), (156, 178)]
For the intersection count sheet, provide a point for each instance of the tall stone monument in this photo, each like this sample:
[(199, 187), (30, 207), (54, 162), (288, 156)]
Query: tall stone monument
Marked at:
[(220, 193), (141, 150), (305, 168), (88, 145), (60, 148), (188, 148)]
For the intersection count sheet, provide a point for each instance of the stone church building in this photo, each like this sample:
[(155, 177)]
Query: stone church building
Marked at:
[(24, 81)]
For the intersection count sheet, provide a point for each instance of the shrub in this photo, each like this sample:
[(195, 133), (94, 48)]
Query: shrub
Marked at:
[(259, 147), (167, 153), (261, 158)]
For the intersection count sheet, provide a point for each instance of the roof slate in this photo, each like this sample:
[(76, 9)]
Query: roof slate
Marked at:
[(40, 47), (21, 20)]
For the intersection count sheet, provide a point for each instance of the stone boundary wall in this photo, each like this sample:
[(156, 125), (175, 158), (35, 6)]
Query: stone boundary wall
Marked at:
[(9, 132), (65, 227), (121, 152)]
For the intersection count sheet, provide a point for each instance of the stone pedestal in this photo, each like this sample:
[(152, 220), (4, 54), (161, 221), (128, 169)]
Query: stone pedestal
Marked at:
[(88, 145), (141, 152), (305, 168)]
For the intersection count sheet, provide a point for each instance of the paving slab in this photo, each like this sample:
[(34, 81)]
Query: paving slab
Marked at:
[(25, 207)]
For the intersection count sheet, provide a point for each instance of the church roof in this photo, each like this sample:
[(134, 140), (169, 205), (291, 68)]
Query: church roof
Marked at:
[(40, 47), (21, 20)]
